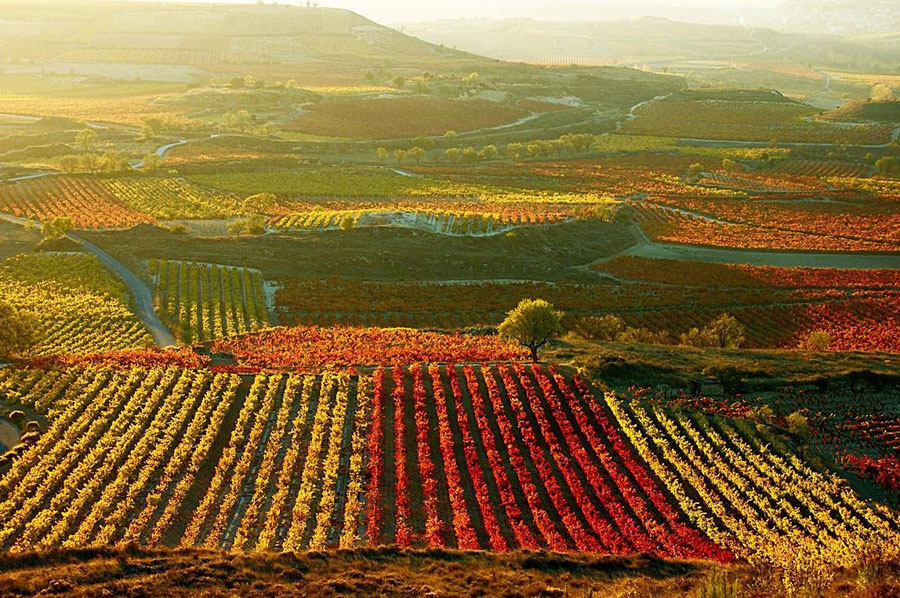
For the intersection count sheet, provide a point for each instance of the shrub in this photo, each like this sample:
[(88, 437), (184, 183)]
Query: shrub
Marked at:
[(818, 340), (251, 225), (644, 336), (762, 415), (692, 338), (599, 328), (798, 425), (725, 332)]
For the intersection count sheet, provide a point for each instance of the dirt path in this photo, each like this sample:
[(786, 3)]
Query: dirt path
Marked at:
[(143, 296)]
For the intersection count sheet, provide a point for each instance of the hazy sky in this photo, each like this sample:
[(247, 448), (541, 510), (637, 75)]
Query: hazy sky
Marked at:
[(406, 11)]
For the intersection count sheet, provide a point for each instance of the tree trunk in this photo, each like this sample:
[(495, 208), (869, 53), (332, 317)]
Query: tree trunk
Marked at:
[(534, 353)]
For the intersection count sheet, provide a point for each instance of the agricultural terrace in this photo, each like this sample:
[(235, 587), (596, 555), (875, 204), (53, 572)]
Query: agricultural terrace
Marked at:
[(399, 117), (203, 302), (75, 304), (779, 307), (314, 348), (761, 117), (94, 203), (491, 457), (793, 223)]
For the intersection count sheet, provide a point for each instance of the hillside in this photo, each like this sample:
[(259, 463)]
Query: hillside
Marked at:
[(178, 42), (888, 112), (637, 41)]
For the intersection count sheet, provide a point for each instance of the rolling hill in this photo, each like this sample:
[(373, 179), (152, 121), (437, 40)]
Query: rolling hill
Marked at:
[(177, 42), (649, 39)]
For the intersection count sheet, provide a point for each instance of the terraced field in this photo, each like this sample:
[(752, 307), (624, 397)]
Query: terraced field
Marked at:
[(94, 203)]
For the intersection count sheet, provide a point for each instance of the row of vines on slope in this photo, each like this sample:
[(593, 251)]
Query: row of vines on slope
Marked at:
[(497, 457), (203, 302)]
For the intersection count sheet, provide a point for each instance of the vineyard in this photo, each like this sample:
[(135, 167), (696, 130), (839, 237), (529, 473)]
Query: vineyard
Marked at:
[(170, 199), (313, 349), (75, 304), (499, 458), (759, 225), (442, 221), (294, 303), (112, 202), (86, 201), (756, 497), (818, 168), (779, 307), (398, 117), (749, 121), (757, 184), (203, 302)]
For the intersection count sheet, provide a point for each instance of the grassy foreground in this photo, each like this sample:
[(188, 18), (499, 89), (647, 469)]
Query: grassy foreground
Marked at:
[(132, 571)]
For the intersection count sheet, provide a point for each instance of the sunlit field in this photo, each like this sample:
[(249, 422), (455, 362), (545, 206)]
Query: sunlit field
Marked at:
[(297, 302)]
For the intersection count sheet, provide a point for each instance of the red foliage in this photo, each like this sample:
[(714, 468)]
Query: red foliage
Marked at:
[(376, 459), (881, 470), (315, 348)]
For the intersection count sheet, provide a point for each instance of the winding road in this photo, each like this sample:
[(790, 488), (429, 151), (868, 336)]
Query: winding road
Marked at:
[(143, 296), (161, 151)]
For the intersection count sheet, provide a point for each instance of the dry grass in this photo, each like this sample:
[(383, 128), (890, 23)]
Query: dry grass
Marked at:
[(360, 573), (388, 572)]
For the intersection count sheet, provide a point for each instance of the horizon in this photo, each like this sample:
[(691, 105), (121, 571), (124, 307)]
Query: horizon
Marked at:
[(400, 12)]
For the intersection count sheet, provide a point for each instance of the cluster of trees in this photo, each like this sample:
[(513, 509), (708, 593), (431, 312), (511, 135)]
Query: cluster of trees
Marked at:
[(889, 165), (91, 161), (535, 322), (469, 85), (569, 144), (724, 332), (415, 153), (106, 162)]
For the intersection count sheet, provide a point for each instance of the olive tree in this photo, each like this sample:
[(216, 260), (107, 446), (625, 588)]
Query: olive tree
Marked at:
[(532, 324)]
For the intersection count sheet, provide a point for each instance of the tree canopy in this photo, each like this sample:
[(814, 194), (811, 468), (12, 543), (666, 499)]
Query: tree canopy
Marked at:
[(532, 324)]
